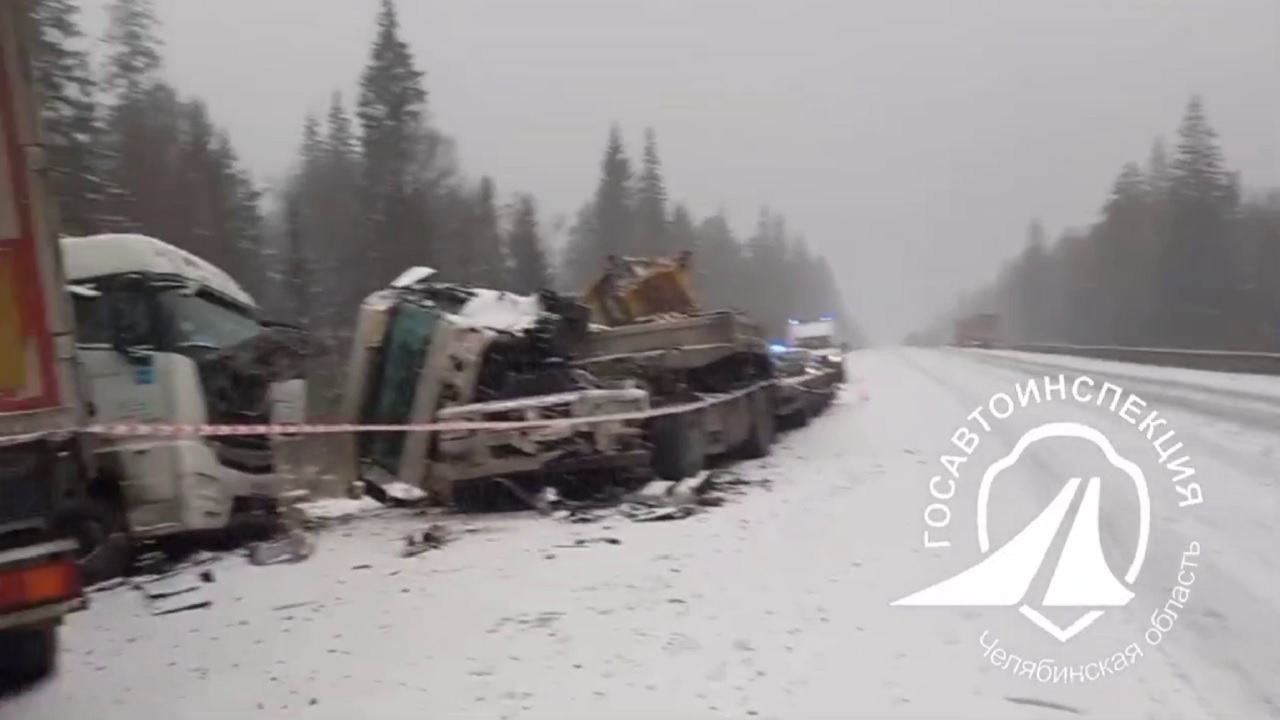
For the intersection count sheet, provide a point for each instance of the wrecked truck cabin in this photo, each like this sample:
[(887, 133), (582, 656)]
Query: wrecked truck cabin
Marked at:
[(427, 351), (166, 338)]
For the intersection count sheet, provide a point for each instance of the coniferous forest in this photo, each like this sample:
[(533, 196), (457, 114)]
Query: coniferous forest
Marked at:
[(375, 188), (1180, 256)]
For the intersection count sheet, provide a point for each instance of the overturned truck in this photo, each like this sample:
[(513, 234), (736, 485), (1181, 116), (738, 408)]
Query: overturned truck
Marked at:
[(428, 352)]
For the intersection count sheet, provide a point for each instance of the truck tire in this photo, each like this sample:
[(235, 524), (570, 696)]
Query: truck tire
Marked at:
[(679, 446), (762, 431), (28, 655), (100, 529)]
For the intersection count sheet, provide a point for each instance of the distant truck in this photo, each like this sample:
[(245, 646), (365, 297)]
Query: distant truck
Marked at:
[(44, 460), (813, 335), (979, 330), (818, 337)]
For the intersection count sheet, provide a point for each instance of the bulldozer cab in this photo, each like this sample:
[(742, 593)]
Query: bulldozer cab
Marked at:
[(632, 290)]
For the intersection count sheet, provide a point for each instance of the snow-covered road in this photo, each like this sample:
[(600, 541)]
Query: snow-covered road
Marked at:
[(775, 605)]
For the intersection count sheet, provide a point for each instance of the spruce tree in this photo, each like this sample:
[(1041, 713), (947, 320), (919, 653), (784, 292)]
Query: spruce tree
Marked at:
[(489, 262), (653, 236), (392, 114), (614, 222), (341, 220), (681, 234), (70, 115), (140, 117), (529, 270), (133, 59), (1198, 268)]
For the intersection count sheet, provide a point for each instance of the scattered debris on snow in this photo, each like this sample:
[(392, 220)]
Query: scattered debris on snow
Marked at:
[(174, 592), (293, 547), (662, 499), (330, 510), (404, 492), (640, 513), (433, 537), (585, 542)]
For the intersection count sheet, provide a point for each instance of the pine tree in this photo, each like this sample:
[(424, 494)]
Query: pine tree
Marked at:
[(653, 236), (133, 58), (1036, 321), (1158, 174), (240, 221), (1198, 268), (489, 261), (1127, 257), (140, 118), (392, 114), (581, 257), (614, 224), (341, 221), (681, 233), (719, 266), (529, 271), (70, 115), (341, 145)]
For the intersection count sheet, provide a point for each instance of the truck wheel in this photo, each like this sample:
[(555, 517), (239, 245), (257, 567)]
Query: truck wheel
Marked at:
[(28, 655), (100, 529), (679, 446), (761, 433)]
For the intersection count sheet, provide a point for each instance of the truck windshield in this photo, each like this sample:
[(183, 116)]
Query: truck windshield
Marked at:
[(206, 320)]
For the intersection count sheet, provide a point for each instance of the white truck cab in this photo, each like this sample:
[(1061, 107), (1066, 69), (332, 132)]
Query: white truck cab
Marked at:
[(166, 338)]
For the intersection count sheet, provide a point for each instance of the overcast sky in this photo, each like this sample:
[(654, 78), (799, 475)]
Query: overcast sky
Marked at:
[(911, 141)]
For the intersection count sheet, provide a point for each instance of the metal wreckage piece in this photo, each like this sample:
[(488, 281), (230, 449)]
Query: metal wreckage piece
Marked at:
[(238, 382)]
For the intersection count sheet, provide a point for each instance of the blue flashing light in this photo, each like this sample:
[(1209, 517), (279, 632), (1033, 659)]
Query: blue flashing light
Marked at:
[(776, 348), (828, 317)]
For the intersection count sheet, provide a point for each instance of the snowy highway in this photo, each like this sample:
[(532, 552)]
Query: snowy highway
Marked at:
[(775, 605)]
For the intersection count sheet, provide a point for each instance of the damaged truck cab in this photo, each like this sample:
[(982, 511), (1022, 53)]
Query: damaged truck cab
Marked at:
[(429, 352), (166, 338)]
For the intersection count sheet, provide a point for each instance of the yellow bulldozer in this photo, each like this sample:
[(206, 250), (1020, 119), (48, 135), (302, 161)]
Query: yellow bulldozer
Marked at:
[(634, 290)]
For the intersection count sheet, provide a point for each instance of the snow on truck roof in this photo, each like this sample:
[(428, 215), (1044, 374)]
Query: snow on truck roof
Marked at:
[(97, 255), (500, 310), (493, 309)]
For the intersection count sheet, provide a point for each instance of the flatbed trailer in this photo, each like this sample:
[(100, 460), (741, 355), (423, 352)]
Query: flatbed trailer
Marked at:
[(715, 364)]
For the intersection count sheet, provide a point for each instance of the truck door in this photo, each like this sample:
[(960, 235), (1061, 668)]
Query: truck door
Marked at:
[(124, 389)]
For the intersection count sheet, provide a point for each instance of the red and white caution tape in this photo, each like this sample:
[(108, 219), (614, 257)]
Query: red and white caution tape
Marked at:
[(172, 430)]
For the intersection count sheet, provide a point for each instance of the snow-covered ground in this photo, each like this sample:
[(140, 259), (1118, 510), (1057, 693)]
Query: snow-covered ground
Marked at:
[(774, 605)]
